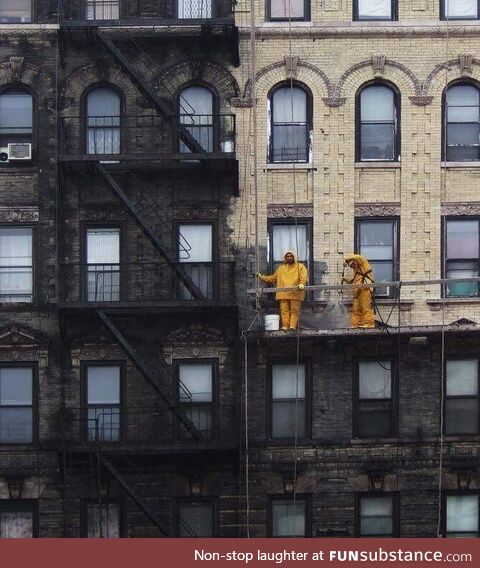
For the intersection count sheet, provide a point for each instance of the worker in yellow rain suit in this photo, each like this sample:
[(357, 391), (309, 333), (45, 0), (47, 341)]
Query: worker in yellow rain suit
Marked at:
[(363, 314), (290, 274)]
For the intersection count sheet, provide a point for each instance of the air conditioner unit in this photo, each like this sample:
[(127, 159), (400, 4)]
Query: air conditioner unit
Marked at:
[(3, 155), (19, 151)]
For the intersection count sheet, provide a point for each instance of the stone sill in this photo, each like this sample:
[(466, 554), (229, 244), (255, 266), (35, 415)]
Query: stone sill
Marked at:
[(362, 165), (448, 165), (290, 168), (27, 27), (453, 301)]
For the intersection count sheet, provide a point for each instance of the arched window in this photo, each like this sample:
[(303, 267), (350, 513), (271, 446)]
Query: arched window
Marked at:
[(377, 125), (103, 121), (196, 115), (462, 123), (290, 124), (459, 9), (16, 117)]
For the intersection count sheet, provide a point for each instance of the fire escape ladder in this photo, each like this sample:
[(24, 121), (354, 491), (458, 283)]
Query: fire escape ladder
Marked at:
[(147, 230), (141, 79), (130, 491), (149, 375)]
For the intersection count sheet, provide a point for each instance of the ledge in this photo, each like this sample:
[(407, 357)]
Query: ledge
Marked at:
[(470, 165), (290, 167), (474, 301), (379, 165)]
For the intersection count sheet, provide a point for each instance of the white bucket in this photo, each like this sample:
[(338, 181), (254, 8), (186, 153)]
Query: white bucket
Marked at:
[(272, 322)]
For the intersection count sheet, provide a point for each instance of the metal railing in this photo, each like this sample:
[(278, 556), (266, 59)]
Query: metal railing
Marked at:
[(145, 136), (145, 282), (129, 11)]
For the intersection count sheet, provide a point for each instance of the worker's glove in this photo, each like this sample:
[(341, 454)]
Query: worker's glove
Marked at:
[(301, 286), (259, 276)]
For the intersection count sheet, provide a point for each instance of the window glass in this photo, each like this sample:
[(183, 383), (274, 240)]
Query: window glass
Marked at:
[(16, 117), (195, 252), (196, 520), (462, 245), (196, 114), (375, 379), (375, 9), (461, 8), (194, 9), (462, 404), (287, 9), (377, 104), (375, 399), (103, 122), (462, 123), (103, 400), (103, 246), (288, 518), (103, 385), (103, 521), (290, 237), (102, 9), (462, 515), (103, 260), (16, 400), (376, 516), (15, 11), (16, 524), (288, 401), (377, 123), (462, 378), (196, 382), (16, 265)]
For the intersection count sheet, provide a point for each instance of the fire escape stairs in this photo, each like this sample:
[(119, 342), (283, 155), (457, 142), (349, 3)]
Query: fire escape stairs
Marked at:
[(149, 375)]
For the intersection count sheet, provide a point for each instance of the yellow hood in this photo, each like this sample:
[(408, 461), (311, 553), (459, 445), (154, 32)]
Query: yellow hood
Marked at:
[(359, 264), (293, 253)]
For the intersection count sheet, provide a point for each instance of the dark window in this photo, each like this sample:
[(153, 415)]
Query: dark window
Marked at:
[(374, 404), (16, 405), (378, 132), (377, 515), (195, 9), (103, 521), (17, 519), (16, 118), (461, 515), (16, 264), (196, 519), (195, 392), (288, 417), (103, 403), (463, 123), (102, 9), (377, 240), (103, 121), (15, 11), (374, 9), (288, 517), (197, 116), (103, 264), (288, 10), (290, 125), (459, 9), (461, 252), (289, 235), (462, 397), (195, 253)]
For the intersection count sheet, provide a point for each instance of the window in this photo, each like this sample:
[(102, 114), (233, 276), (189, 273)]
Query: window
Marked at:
[(103, 403), (15, 11), (463, 123), (196, 117), (194, 9), (461, 252), (288, 517), (16, 264), (103, 121), (461, 518), (16, 118), (289, 235), (17, 519), (103, 265), (374, 9), (377, 240), (16, 405), (196, 519), (462, 400), (288, 10), (288, 416), (374, 405), (195, 253), (103, 521), (102, 9), (290, 125), (459, 9), (377, 516), (378, 131), (195, 392)]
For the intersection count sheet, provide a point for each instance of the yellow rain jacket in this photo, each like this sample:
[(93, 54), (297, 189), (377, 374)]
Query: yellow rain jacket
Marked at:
[(363, 314), (286, 276)]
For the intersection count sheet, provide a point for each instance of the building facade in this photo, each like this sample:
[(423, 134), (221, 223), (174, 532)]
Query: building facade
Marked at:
[(154, 156)]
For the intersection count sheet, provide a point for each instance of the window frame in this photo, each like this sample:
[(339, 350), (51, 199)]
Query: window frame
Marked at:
[(462, 357), (395, 496), (395, 220), (394, 399), (307, 400), (22, 506), (209, 500), (443, 247), (306, 221), (36, 256), (306, 13), (84, 430), (108, 501), (457, 492), (17, 86), (35, 401), (397, 122), (305, 497), (357, 18), (443, 14), (308, 117)]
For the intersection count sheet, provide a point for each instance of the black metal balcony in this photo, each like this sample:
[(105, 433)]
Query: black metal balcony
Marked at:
[(141, 138), (137, 12), (146, 285)]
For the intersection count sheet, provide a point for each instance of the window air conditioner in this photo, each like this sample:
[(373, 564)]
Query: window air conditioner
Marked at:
[(19, 151), (4, 155)]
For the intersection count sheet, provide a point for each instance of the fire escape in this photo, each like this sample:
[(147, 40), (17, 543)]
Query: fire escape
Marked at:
[(121, 32)]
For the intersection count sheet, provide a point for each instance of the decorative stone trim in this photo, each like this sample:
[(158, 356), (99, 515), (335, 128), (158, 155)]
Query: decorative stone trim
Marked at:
[(291, 66), (377, 209), (100, 353), (378, 62), (241, 102), (19, 214), (465, 62), (461, 208), (334, 101), (289, 211), (421, 100), (197, 213), (16, 68)]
